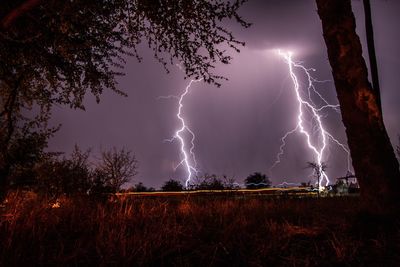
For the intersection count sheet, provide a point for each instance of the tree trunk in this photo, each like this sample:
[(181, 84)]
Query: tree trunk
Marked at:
[(4, 172), (7, 131), (374, 161), (371, 51)]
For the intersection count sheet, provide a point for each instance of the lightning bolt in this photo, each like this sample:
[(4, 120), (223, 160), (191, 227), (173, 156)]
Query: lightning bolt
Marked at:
[(187, 150), (319, 147)]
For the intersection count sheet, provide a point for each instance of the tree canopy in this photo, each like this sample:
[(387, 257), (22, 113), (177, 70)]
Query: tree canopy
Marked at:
[(62, 49), (257, 180), (55, 52)]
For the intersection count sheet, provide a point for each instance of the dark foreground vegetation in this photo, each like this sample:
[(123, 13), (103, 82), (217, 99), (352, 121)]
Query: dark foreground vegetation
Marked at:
[(194, 231)]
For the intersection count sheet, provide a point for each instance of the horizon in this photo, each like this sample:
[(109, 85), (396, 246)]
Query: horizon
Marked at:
[(257, 93)]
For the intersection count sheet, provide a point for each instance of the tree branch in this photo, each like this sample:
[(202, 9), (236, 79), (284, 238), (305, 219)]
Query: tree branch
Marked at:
[(17, 12), (10, 109)]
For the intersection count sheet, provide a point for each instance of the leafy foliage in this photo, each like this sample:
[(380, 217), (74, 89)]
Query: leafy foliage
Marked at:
[(59, 50), (72, 175), (55, 52), (25, 150), (257, 180), (54, 175)]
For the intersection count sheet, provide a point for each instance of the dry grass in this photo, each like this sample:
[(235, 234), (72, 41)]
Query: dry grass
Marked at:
[(194, 231)]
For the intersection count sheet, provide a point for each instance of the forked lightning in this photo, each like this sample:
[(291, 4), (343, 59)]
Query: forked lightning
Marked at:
[(317, 147)]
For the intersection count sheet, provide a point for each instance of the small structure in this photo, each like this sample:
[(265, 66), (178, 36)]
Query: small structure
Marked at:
[(347, 184)]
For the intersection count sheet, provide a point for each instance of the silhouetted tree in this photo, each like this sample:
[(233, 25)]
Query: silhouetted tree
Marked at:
[(25, 151), (116, 168), (373, 157), (54, 52), (172, 185), (230, 182), (318, 170), (140, 187), (57, 176), (23, 138), (210, 182), (257, 180)]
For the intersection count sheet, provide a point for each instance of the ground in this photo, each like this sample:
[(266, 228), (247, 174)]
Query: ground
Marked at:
[(194, 230)]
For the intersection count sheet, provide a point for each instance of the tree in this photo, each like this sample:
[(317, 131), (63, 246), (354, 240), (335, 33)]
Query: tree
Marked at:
[(230, 183), (374, 161), (56, 176), (54, 52), (116, 168), (398, 148), (257, 180), (318, 169), (25, 151), (24, 134), (140, 187), (210, 182), (172, 185), (371, 51)]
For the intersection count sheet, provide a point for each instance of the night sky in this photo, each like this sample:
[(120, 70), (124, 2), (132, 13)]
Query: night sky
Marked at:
[(239, 125)]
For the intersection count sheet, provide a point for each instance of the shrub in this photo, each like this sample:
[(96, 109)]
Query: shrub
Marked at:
[(172, 185), (257, 180), (56, 176), (210, 182)]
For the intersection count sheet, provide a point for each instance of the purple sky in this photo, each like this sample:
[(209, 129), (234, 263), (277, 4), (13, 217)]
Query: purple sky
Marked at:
[(239, 125)]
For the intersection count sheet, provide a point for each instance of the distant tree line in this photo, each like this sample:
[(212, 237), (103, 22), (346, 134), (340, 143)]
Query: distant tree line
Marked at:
[(54, 174), (213, 182), (138, 187), (57, 52)]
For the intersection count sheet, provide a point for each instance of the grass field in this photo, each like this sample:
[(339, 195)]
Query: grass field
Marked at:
[(194, 230)]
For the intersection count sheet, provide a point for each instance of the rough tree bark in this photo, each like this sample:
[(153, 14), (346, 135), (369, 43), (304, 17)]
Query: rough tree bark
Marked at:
[(371, 50), (374, 161)]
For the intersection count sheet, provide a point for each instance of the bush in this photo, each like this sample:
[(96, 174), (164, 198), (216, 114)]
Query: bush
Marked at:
[(210, 182), (257, 180), (75, 175), (172, 185), (24, 152), (139, 187), (56, 176)]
